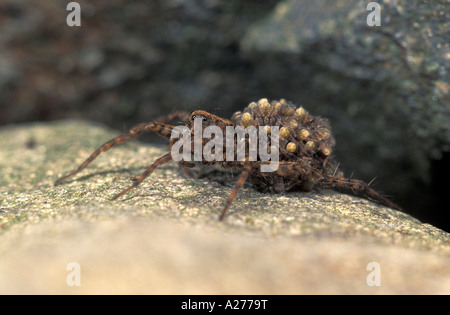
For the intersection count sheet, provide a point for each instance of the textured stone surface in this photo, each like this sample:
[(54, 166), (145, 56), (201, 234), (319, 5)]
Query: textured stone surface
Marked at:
[(164, 237), (385, 89)]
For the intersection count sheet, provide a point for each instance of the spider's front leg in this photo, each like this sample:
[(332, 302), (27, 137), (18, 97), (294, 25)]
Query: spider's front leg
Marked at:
[(157, 127)]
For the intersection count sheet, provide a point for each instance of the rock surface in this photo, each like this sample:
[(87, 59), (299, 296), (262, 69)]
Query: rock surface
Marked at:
[(385, 89), (164, 237)]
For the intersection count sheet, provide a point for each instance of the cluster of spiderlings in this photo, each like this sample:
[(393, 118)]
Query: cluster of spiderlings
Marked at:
[(300, 133)]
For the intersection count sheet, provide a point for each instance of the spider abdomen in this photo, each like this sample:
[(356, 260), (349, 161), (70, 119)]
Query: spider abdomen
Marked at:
[(304, 139)]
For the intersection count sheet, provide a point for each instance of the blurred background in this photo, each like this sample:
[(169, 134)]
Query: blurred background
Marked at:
[(385, 89)]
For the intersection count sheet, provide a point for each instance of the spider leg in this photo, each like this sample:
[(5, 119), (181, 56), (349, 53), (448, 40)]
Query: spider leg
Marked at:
[(239, 184), (160, 161), (157, 127), (357, 185), (176, 115)]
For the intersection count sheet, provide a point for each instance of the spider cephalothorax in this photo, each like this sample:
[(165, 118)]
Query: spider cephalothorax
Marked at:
[(303, 145)]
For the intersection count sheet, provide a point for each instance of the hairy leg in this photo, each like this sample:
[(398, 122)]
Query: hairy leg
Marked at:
[(239, 183), (304, 170), (160, 161), (157, 127), (357, 185)]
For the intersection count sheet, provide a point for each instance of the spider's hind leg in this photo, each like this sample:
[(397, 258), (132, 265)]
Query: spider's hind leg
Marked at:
[(357, 185)]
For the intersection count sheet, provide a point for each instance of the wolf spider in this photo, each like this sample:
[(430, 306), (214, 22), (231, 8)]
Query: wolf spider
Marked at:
[(305, 150)]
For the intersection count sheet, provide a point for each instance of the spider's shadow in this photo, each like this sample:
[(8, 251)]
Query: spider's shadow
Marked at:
[(106, 172)]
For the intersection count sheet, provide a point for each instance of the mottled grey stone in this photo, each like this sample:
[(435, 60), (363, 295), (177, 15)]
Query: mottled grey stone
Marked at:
[(165, 237)]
